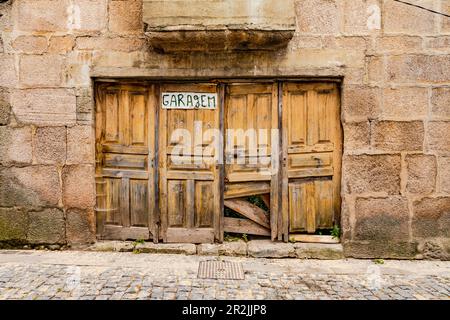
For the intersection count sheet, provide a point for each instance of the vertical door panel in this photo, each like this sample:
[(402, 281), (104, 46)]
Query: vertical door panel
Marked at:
[(250, 116), (125, 157), (138, 119), (310, 205), (204, 203), (324, 190), (111, 114), (112, 194), (311, 150), (176, 209), (139, 203), (251, 152), (190, 201), (296, 118)]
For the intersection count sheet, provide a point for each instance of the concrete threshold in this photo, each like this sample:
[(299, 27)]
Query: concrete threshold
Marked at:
[(253, 248)]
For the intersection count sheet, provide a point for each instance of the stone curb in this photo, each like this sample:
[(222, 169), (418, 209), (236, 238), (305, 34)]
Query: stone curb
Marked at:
[(254, 248)]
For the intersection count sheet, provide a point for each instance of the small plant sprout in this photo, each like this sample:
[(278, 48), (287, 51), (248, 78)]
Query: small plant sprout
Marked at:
[(336, 232), (378, 261)]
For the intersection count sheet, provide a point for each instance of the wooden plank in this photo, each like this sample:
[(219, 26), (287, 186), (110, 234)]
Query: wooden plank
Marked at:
[(189, 87), (176, 203), (112, 207), (273, 200), (324, 190), (238, 190), (124, 119), (219, 218), (241, 151), (194, 235), (320, 147), (111, 113), (137, 86), (153, 198), (125, 201), (100, 217), (325, 116), (313, 238), (311, 172), (138, 119), (249, 88), (312, 116), (283, 219), (125, 161), (311, 208), (187, 162), (297, 207), (295, 86), (249, 211), (236, 225), (337, 153), (162, 165), (310, 160), (248, 122), (298, 119), (266, 199), (205, 204), (259, 175), (121, 173), (108, 148), (192, 175), (99, 133), (190, 203), (139, 210)]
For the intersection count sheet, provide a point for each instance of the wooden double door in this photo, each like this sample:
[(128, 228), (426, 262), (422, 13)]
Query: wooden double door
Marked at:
[(168, 173)]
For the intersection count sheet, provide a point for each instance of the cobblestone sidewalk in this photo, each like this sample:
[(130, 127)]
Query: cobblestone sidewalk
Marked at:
[(93, 275)]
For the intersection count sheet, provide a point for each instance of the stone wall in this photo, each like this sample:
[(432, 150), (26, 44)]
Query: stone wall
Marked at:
[(395, 111)]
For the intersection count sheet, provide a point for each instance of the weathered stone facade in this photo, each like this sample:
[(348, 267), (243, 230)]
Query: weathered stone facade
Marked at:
[(395, 75)]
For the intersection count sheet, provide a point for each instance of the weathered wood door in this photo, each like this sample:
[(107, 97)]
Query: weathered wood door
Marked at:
[(189, 150), (311, 157), (125, 143), (251, 153), (167, 173)]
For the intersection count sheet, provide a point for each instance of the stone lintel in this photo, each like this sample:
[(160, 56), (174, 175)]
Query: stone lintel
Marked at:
[(325, 73), (216, 39)]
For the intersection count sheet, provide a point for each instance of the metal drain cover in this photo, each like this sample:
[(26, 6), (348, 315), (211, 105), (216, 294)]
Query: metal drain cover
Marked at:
[(213, 269)]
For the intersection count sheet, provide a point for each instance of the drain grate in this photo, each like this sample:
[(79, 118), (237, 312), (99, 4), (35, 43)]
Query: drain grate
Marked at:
[(213, 269)]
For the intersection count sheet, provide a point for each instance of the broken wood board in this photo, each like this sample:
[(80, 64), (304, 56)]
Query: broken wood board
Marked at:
[(249, 211), (266, 199), (237, 225), (238, 190)]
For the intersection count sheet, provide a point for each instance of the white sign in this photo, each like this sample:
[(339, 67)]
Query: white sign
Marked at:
[(188, 100)]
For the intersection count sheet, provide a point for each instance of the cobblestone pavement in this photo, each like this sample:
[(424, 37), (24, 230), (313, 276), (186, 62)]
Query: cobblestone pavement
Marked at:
[(94, 275)]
